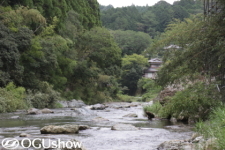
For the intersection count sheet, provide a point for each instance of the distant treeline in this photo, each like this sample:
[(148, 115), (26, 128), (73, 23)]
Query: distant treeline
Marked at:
[(148, 19)]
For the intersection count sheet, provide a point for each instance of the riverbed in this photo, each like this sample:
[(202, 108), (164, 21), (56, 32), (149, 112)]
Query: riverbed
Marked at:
[(150, 135)]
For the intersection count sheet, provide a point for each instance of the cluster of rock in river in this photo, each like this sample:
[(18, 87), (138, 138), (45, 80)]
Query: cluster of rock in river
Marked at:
[(195, 143)]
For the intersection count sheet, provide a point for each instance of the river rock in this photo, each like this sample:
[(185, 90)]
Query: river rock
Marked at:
[(98, 107), (83, 127), (84, 111), (124, 127), (176, 145), (194, 135), (198, 139), (33, 111), (25, 135), (99, 119), (131, 115), (64, 129), (46, 111)]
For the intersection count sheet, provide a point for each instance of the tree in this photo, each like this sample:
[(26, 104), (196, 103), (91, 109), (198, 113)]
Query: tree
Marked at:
[(131, 42), (12, 44), (132, 66)]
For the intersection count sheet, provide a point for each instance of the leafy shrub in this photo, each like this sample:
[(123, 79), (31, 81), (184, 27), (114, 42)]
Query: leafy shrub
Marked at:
[(126, 98), (196, 101), (58, 105), (12, 98), (150, 87), (155, 108), (45, 97), (214, 127)]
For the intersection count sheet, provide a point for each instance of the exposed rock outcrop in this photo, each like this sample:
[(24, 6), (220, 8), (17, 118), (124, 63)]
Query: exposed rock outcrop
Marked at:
[(98, 107), (83, 127), (64, 129), (33, 111), (163, 95), (46, 111), (195, 143)]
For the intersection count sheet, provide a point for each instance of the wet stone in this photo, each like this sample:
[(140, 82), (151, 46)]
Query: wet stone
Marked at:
[(124, 127)]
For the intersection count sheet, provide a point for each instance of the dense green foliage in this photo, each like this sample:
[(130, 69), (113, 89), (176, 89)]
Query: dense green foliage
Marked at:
[(131, 42), (132, 66), (52, 47), (149, 87), (194, 103), (200, 56), (44, 97), (12, 98), (214, 128), (88, 10), (58, 48), (155, 108), (199, 63), (148, 19)]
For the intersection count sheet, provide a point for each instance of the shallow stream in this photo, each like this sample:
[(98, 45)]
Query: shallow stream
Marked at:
[(100, 136)]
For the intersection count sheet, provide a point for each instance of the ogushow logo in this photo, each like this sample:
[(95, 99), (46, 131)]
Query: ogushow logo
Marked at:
[(12, 143)]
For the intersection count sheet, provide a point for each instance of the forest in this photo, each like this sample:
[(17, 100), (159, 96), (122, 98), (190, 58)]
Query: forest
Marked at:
[(63, 50), (52, 50)]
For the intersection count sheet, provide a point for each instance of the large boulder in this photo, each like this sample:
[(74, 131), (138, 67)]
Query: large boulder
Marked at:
[(98, 107), (64, 129), (83, 127), (33, 111), (124, 127), (46, 111)]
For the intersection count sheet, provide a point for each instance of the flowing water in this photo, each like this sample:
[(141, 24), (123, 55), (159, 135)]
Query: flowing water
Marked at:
[(100, 136)]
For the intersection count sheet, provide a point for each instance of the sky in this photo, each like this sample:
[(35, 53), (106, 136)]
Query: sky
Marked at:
[(120, 3)]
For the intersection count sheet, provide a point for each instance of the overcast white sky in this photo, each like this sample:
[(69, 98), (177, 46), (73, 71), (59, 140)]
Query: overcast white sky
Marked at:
[(120, 3)]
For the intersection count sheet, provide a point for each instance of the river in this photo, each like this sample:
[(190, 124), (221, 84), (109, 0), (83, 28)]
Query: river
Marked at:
[(150, 135)]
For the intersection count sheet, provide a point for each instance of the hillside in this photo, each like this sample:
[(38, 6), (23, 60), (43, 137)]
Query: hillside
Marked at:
[(149, 19)]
